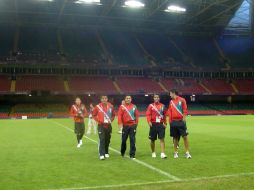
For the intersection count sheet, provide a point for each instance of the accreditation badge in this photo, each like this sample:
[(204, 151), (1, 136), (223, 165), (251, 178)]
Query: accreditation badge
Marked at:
[(106, 120), (158, 119)]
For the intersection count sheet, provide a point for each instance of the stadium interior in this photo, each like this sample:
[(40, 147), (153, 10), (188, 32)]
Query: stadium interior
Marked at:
[(54, 53), (59, 49)]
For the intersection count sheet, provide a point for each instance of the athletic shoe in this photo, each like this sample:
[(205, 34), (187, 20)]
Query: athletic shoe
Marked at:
[(187, 155), (79, 145), (176, 155), (102, 157), (132, 158), (153, 155), (120, 132), (163, 155), (106, 155), (80, 142)]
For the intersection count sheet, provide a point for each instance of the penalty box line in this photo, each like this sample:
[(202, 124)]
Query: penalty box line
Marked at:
[(136, 160)]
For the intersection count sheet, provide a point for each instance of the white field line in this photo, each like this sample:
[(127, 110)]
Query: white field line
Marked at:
[(136, 160), (157, 182)]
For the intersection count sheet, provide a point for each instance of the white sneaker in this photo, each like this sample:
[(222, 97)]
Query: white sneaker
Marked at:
[(79, 145), (132, 158), (102, 157), (153, 155), (176, 155), (80, 142), (106, 155), (163, 155), (187, 155)]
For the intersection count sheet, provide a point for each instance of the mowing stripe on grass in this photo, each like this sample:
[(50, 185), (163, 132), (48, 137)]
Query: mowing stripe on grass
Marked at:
[(157, 182), (136, 160)]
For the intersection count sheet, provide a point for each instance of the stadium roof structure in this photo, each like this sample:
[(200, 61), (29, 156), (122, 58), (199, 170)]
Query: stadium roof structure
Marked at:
[(208, 17), (241, 21)]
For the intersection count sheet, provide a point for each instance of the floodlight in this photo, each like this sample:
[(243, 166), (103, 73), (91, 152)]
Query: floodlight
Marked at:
[(46, 0), (134, 4), (175, 9), (88, 1)]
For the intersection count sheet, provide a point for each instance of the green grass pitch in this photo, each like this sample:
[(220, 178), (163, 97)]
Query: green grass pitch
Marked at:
[(42, 154)]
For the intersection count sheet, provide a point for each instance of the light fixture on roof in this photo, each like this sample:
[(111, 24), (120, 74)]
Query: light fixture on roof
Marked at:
[(133, 4), (175, 9), (47, 0), (88, 1)]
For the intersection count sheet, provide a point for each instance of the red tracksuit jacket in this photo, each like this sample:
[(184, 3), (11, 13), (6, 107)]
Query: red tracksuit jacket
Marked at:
[(74, 112), (153, 116), (100, 117), (124, 117), (181, 105)]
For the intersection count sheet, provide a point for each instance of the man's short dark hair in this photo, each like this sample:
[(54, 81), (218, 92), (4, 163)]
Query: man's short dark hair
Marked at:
[(127, 95), (103, 95), (174, 91)]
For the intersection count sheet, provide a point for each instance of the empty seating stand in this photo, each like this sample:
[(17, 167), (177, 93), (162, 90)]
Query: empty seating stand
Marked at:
[(138, 85), (185, 86), (218, 86), (245, 86), (47, 83), (5, 84), (92, 85)]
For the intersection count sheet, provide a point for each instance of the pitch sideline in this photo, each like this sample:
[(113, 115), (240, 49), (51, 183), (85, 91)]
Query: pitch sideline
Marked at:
[(157, 182)]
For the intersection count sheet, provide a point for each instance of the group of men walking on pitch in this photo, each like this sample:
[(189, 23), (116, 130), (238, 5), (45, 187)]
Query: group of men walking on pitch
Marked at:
[(156, 114)]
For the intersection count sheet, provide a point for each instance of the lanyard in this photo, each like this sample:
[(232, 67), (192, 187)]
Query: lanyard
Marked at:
[(176, 108), (106, 115), (154, 107), (128, 112)]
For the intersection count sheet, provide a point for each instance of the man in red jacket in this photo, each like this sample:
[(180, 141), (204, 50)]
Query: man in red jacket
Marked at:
[(156, 118), (104, 114), (177, 112), (78, 112), (128, 121)]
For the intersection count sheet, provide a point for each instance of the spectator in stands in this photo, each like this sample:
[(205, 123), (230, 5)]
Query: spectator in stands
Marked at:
[(157, 121), (128, 121), (104, 114), (78, 112), (91, 122), (177, 112)]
